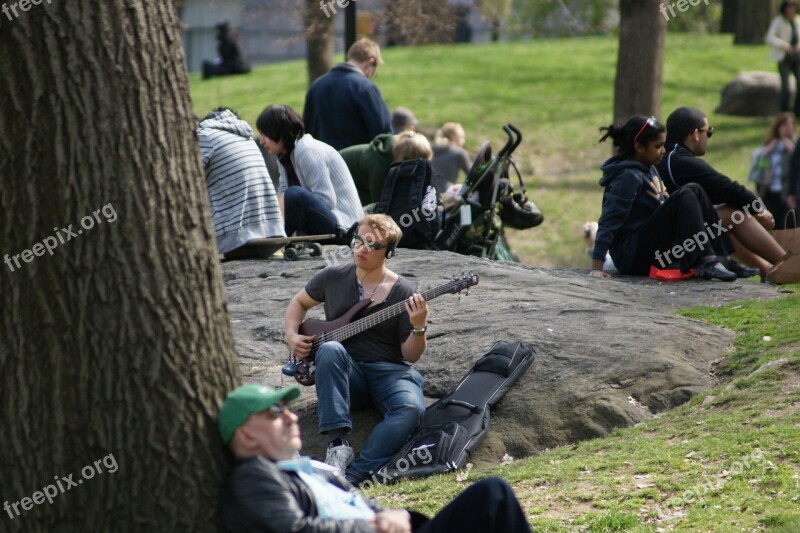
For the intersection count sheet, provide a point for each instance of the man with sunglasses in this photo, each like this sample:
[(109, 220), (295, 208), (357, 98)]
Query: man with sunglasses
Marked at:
[(743, 214), (273, 488), (374, 367)]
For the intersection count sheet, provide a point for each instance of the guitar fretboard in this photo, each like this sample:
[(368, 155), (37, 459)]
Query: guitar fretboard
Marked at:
[(362, 324)]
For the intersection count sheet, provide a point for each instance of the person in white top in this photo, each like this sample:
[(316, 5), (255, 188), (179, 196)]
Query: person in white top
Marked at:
[(783, 36), (318, 193)]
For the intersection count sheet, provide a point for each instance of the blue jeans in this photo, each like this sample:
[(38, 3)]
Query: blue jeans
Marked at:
[(394, 389), (307, 213)]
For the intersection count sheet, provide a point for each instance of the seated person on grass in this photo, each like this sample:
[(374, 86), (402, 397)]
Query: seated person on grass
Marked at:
[(244, 205), (273, 488), (745, 219), (374, 367), (369, 164)]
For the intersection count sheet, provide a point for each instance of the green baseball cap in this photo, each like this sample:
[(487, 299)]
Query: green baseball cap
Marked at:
[(249, 399)]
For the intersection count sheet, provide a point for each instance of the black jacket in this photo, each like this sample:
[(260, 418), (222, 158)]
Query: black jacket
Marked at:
[(680, 166), (633, 192), (261, 497)]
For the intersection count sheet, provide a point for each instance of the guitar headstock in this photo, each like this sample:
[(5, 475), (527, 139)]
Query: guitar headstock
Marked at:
[(459, 283)]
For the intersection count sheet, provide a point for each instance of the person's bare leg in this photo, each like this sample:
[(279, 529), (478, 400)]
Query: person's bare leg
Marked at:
[(752, 236), (748, 258)]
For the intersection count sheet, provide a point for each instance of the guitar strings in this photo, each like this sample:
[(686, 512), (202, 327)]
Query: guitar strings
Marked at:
[(353, 328)]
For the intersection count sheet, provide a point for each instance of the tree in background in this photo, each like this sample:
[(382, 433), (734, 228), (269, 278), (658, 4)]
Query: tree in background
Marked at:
[(640, 60), (115, 342), (752, 20), (413, 22), (319, 40), (495, 11)]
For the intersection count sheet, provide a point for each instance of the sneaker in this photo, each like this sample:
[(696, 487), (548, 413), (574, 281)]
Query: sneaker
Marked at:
[(340, 454), (712, 268), (740, 270)]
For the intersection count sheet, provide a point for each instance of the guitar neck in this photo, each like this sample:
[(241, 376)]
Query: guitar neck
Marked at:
[(363, 324)]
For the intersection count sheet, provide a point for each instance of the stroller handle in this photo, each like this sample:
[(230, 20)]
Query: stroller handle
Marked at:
[(514, 138)]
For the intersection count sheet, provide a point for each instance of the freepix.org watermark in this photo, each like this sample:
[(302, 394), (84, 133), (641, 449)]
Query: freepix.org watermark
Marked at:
[(62, 236), (701, 238), (331, 4), (681, 5), (698, 492), (345, 252), (420, 455), (62, 485), (24, 5)]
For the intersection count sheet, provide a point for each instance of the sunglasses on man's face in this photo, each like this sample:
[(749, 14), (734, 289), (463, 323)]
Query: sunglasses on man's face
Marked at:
[(709, 131), (277, 410), (360, 240)]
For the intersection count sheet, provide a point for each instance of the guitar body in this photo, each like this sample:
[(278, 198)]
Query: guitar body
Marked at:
[(311, 327), (348, 325)]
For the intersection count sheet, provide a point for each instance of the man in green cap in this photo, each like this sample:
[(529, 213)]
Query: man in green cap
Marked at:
[(273, 488)]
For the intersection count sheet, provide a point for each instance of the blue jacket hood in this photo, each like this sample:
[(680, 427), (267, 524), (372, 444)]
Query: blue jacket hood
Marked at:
[(614, 167)]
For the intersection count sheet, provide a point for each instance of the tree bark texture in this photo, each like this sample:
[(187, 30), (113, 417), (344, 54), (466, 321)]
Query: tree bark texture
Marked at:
[(729, 9), (640, 59), (752, 20), (319, 40), (116, 347)]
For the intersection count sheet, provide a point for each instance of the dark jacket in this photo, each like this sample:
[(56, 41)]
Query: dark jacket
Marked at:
[(344, 108), (261, 497), (369, 165), (680, 166), (632, 195)]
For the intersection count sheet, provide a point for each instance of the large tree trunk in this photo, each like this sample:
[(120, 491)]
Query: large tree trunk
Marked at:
[(319, 38), (752, 20), (640, 60), (115, 348), (729, 9)]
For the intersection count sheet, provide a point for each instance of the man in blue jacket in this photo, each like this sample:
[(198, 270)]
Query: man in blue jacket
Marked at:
[(343, 107)]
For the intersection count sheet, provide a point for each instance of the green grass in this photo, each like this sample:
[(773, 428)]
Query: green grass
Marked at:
[(557, 91), (729, 460)]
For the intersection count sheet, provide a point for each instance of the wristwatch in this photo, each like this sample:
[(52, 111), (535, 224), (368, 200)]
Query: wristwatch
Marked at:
[(419, 332)]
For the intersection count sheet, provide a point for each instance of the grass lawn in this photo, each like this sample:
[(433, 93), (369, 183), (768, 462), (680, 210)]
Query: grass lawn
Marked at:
[(729, 460), (557, 91)]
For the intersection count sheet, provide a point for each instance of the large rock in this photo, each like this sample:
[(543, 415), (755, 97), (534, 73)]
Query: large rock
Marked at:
[(610, 352), (752, 94)]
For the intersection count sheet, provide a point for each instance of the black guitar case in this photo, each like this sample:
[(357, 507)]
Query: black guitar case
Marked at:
[(456, 424)]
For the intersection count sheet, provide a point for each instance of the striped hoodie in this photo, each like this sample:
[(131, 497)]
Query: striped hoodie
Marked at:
[(244, 205)]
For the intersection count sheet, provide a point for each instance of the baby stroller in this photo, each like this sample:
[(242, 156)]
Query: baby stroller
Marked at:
[(486, 203)]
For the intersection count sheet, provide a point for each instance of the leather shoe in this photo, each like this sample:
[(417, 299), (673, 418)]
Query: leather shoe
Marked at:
[(712, 268), (740, 270)]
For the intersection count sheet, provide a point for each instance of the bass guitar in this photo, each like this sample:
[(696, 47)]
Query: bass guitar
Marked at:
[(347, 325)]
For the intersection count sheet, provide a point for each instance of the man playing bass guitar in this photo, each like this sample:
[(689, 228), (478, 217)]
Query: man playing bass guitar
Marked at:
[(373, 367)]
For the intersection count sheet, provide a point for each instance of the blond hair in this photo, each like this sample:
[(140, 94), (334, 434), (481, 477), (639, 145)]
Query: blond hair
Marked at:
[(449, 132), (363, 50), (385, 226), (410, 145)]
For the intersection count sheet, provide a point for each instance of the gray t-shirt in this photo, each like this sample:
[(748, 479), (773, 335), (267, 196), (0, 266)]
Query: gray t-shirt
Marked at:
[(337, 287)]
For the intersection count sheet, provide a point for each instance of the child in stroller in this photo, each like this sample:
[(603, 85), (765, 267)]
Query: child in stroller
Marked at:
[(474, 223)]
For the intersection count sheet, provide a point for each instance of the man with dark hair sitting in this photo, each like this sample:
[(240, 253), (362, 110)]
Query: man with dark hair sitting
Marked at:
[(743, 214), (273, 488)]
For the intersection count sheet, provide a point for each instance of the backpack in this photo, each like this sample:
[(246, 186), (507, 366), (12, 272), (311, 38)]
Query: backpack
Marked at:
[(760, 167), (410, 199), (453, 427)]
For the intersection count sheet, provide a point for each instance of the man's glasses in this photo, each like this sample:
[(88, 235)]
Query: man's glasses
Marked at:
[(277, 410), (709, 131), (360, 240), (652, 122)]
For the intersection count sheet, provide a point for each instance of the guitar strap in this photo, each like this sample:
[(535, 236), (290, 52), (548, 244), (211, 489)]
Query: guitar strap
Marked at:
[(456, 424)]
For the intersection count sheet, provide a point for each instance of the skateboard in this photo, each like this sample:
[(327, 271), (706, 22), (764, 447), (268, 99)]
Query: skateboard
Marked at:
[(294, 247)]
